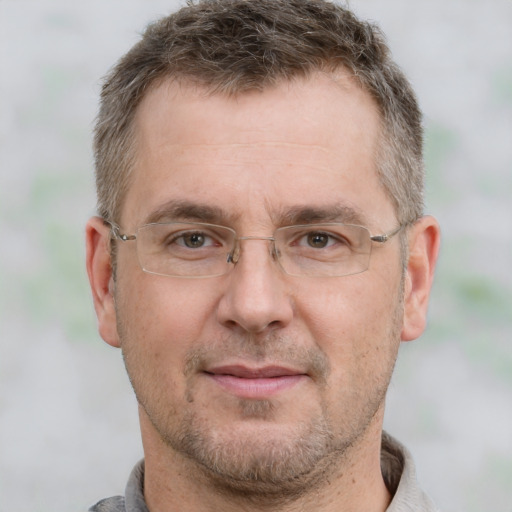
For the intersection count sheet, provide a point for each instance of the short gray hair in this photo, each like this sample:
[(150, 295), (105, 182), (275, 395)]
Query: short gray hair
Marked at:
[(234, 46)]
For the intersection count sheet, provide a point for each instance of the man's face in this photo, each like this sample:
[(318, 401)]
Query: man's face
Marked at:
[(259, 375)]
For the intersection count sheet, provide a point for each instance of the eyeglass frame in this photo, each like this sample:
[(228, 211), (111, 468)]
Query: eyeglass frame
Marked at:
[(115, 230)]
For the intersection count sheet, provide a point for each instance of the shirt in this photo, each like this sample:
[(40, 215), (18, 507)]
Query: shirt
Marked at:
[(397, 469)]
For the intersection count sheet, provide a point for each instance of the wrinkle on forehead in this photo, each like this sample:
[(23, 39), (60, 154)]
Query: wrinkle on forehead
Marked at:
[(313, 157), (274, 150), (248, 145)]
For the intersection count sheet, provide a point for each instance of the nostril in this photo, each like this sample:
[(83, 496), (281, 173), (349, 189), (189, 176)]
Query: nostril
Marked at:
[(274, 324)]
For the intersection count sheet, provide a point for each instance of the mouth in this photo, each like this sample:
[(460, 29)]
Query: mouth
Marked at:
[(255, 383)]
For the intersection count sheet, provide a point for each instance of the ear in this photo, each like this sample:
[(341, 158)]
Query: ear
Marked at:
[(424, 240), (99, 269)]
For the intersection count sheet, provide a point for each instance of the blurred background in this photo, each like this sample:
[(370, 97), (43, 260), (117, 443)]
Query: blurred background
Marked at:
[(68, 419)]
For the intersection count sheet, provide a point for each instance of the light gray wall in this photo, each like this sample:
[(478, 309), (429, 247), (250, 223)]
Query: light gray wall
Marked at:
[(68, 425)]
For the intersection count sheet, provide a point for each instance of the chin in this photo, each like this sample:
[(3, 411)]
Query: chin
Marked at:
[(256, 456)]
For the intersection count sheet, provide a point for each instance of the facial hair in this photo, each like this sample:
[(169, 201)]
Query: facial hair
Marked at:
[(256, 465), (269, 466)]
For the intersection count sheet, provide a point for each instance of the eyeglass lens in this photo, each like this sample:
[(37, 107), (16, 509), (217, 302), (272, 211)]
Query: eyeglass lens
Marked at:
[(202, 250)]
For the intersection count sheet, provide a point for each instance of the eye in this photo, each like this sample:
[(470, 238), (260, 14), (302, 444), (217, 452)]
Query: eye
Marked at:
[(193, 240), (318, 240)]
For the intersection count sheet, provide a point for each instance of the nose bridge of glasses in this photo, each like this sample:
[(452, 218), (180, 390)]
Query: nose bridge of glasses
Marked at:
[(234, 256)]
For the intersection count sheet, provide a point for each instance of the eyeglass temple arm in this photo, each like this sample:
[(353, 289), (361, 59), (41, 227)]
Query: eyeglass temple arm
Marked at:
[(116, 231), (386, 236)]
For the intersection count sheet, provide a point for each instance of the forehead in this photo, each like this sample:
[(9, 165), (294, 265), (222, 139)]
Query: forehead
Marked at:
[(306, 110), (310, 141)]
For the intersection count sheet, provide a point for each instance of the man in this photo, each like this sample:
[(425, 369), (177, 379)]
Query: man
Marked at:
[(259, 256)]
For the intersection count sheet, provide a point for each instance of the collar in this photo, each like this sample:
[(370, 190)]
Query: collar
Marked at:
[(397, 469)]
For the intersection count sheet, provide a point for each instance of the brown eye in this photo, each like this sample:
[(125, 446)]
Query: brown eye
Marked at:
[(194, 240), (318, 240)]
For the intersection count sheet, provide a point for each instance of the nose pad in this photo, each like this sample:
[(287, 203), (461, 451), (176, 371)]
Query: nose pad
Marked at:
[(234, 255)]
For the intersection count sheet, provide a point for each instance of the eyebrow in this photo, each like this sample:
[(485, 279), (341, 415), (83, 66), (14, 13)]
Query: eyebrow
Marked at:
[(320, 214), (183, 210)]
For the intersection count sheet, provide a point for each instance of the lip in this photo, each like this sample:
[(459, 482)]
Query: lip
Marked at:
[(256, 383)]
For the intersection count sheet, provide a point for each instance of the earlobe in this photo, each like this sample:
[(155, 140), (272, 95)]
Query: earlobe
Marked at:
[(99, 270), (424, 241)]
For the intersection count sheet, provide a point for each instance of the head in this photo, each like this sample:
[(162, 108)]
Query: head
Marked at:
[(258, 115), (231, 47)]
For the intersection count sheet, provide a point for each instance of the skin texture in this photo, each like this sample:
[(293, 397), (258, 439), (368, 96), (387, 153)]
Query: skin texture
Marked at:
[(259, 390)]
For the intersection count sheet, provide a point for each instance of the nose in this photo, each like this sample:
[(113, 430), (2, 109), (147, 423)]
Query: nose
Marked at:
[(256, 298)]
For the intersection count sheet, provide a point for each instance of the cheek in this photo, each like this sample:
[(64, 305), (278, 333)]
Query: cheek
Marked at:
[(159, 320), (166, 316), (345, 306), (360, 336), (355, 322)]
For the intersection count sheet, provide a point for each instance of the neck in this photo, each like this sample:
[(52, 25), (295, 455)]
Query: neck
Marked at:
[(348, 482)]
